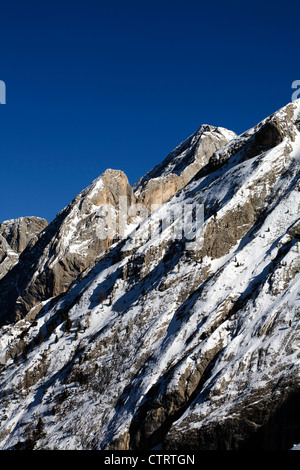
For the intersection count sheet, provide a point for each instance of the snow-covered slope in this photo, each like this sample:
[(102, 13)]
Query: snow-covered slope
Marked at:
[(69, 245), (172, 342), (98, 216)]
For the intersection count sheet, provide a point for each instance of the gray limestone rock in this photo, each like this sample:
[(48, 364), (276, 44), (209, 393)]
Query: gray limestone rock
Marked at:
[(19, 232), (15, 236), (145, 344), (69, 245)]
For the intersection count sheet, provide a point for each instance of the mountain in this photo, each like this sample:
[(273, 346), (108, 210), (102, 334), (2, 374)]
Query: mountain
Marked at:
[(73, 243), (181, 165), (66, 247), (15, 236), (182, 333)]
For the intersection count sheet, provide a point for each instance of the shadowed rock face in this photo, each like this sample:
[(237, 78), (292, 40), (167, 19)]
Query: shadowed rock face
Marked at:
[(69, 245), (15, 236), (263, 137), (156, 344), (19, 232), (8, 257)]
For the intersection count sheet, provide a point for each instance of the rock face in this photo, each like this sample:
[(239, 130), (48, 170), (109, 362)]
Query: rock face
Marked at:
[(15, 235), (67, 246), (19, 232), (181, 165), (8, 257), (168, 341), (83, 231)]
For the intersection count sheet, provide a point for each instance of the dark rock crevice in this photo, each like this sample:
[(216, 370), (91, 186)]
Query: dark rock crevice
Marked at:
[(269, 425), (282, 429)]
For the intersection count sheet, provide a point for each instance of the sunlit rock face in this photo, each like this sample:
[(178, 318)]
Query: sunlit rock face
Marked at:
[(67, 246), (163, 341), (181, 165)]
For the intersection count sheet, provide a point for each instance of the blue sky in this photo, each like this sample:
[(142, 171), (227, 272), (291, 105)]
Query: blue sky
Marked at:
[(95, 84)]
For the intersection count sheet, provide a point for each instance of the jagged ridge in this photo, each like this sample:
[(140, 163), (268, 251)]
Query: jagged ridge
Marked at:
[(158, 345)]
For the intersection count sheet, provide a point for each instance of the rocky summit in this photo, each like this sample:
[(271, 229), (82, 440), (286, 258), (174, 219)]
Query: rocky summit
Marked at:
[(15, 236), (163, 315)]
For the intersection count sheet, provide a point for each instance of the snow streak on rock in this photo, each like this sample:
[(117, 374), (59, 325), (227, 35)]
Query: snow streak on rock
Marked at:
[(163, 341)]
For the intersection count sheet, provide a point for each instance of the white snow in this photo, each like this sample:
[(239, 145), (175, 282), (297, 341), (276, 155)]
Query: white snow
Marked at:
[(165, 317)]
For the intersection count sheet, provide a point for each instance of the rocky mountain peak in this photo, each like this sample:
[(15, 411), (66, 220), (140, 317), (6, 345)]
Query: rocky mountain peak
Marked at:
[(164, 342), (71, 243), (15, 236), (278, 127), (107, 188), (181, 165), (97, 217), (19, 232)]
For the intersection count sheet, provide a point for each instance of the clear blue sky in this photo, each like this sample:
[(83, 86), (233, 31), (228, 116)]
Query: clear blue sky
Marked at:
[(95, 84)]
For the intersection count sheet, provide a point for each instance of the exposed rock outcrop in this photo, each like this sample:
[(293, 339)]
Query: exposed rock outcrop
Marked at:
[(19, 232), (80, 233), (168, 342), (8, 257), (15, 236), (181, 165), (99, 216)]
